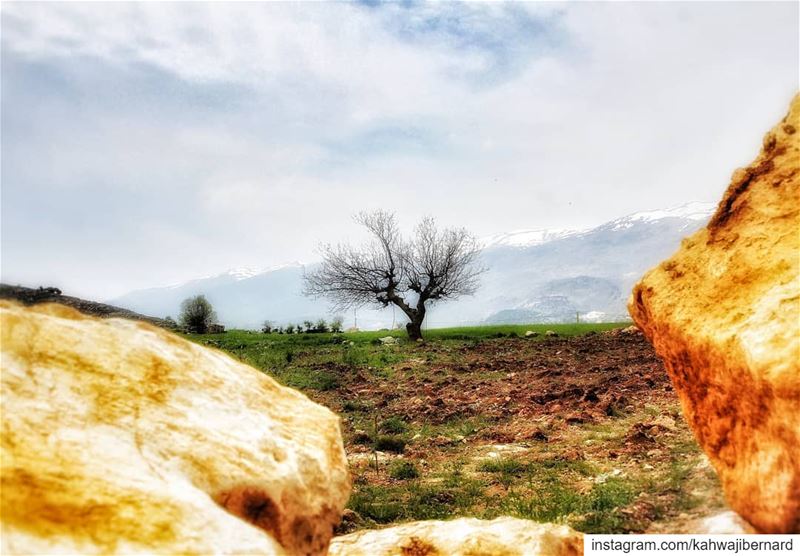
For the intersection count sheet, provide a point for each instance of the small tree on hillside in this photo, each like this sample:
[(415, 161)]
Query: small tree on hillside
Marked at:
[(336, 324), (431, 266), (197, 314), (267, 327)]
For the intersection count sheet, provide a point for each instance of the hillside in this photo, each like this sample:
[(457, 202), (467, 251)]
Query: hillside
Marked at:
[(534, 276), (34, 296)]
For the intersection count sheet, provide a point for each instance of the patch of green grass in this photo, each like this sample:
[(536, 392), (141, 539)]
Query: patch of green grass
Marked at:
[(385, 357), (609, 495), (594, 512), (507, 469), (354, 356), (504, 466), (603, 504), (394, 425), (678, 481), (465, 427), (549, 504), (411, 501), (309, 379), (377, 503)]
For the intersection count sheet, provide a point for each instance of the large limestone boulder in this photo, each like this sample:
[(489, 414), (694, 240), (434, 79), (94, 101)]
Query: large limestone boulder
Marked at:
[(119, 437), (724, 314), (463, 537)]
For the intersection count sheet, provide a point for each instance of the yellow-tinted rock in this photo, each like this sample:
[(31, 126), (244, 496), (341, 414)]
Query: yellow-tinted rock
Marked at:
[(119, 437), (504, 536), (724, 314)]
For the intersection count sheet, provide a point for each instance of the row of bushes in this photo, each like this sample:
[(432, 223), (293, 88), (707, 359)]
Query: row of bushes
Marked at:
[(197, 316), (308, 327)]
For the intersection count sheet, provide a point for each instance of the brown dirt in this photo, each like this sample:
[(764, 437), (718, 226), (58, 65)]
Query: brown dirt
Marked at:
[(517, 382)]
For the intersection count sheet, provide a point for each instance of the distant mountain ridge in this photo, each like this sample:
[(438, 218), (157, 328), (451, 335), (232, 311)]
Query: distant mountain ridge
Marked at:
[(694, 211), (534, 276)]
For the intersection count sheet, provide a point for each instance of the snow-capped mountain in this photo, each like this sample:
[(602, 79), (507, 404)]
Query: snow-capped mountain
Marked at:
[(534, 276)]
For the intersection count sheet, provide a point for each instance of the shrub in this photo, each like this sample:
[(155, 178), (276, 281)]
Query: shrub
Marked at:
[(336, 325), (403, 470), (386, 443), (197, 314), (354, 405), (267, 327), (394, 425)]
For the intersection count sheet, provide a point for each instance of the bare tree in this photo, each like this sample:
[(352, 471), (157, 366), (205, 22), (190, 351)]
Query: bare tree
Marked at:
[(434, 265)]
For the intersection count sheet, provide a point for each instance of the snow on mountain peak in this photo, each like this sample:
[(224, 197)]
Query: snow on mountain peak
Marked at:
[(245, 272), (694, 210), (526, 238), (239, 273)]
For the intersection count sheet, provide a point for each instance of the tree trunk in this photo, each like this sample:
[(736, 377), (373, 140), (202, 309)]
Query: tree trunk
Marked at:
[(414, 329)]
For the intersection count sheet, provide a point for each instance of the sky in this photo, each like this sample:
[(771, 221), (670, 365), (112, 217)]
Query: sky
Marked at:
[(147, 144)]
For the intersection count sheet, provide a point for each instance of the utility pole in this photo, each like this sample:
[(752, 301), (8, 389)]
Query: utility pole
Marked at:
[(577, 317)]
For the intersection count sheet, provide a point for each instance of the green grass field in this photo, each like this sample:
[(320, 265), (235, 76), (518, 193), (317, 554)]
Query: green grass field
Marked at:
[(240, 339)]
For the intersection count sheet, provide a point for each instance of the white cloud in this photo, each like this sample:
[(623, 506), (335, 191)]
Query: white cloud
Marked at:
[(271, 123)]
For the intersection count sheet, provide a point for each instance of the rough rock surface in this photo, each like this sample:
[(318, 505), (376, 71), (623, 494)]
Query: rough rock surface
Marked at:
[(119, 437), (462, 537), (724, 314)]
